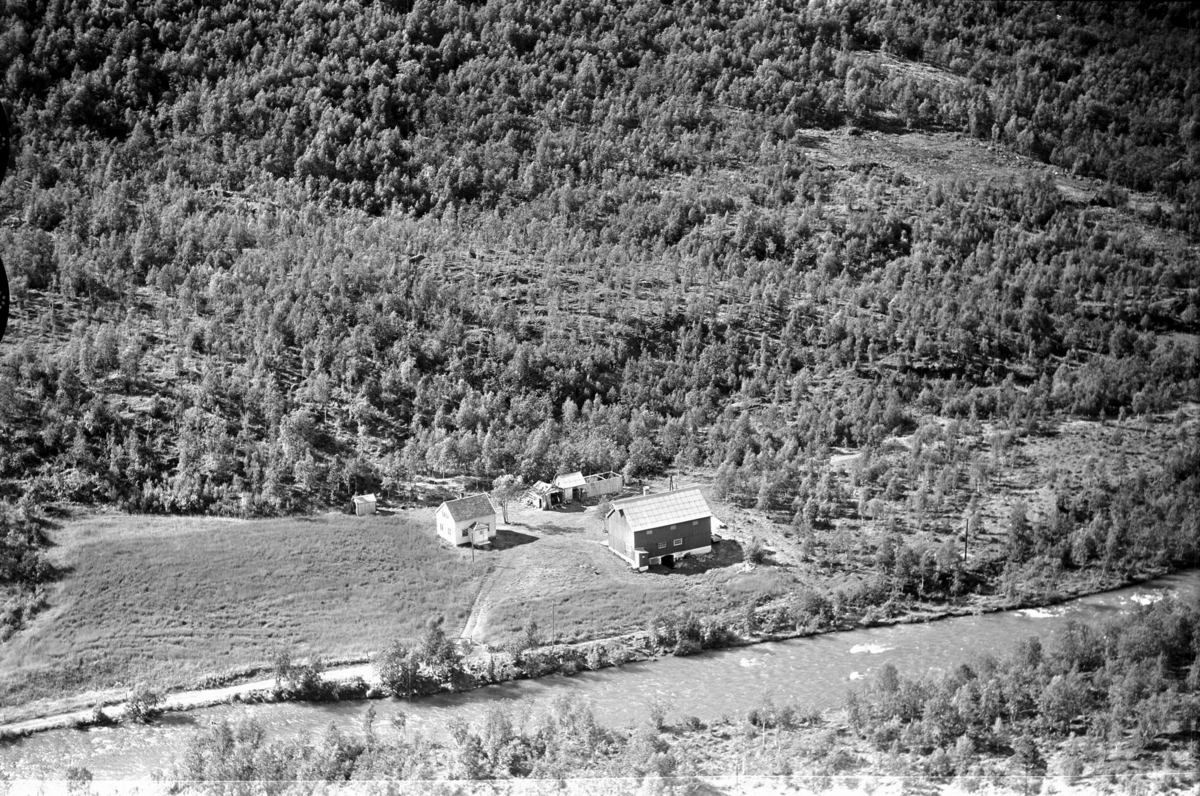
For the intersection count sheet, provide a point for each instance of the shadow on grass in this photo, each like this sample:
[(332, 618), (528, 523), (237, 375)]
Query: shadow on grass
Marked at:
[(550, 529), (725, 554), (506, 539)]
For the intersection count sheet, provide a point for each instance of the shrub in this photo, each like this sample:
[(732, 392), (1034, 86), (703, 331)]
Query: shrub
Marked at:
[(530, 637), (658, 713), (398, 670), (755, 552), (686, 646), (308, 681), (717, 635), (143, 704), (620, 655), (939, 764), (78, 779), (536, 663), (750, 619), (842, 760), (304, 681), (352, 688)]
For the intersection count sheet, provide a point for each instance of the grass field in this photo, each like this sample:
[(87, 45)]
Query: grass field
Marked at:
[(169, 600)]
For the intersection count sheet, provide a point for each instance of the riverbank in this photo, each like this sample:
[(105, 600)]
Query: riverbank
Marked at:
[(565, 659), (721, 689)]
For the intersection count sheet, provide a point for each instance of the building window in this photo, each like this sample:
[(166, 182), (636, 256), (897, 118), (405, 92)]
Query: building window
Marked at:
[(662, 545), (695, 522), (679, 543), (672, 527)]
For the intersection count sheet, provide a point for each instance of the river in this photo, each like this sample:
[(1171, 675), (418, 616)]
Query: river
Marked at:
[(815, 672)]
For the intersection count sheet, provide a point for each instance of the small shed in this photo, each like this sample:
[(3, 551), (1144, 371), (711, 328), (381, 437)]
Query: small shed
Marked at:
[(572, 485), (364, 505), (543, 496)]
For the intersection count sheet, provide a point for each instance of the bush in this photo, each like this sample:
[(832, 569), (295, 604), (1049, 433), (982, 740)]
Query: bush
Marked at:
[(142, 704), (620, 655), (717, 635), (352, 688), (303, 680), (686, 646), (78, 779), (755, 552), (658, 713), (97, 718), (399, 670), (939, 764), (536, 663)]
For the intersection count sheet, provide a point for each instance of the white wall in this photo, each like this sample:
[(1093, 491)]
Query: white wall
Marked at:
[(454, 533)]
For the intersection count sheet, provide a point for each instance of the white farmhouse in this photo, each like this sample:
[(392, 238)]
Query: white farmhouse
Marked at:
[(468, 519)]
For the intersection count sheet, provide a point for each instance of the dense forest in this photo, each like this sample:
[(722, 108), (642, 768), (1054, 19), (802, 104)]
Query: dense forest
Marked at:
[(262, 258)]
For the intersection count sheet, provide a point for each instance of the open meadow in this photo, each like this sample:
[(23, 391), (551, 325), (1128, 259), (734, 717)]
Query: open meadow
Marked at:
[(170, 601)]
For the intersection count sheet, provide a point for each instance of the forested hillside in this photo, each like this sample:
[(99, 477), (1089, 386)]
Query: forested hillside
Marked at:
[(264, 257)]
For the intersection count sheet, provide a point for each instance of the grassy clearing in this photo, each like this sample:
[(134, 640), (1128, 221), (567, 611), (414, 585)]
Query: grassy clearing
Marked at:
[(171, 600), (609, 607)]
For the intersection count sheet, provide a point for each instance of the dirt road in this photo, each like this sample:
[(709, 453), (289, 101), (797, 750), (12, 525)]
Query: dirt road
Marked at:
[(183, 700)]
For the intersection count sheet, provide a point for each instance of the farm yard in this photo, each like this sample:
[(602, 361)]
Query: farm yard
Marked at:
[(554, 568)]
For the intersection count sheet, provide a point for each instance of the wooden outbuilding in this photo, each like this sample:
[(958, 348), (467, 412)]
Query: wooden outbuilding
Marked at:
[(364, 505), (543, 496), (601, 484), (659, 529), (572, 485)]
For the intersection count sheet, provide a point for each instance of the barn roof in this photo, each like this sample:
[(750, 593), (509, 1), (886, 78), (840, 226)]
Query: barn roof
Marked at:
[(470, 507), (569, 480), (665, 508)]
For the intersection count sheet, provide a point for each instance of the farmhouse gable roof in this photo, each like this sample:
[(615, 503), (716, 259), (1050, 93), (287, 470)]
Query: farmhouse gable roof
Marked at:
[(470, 507), (665, 508)]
